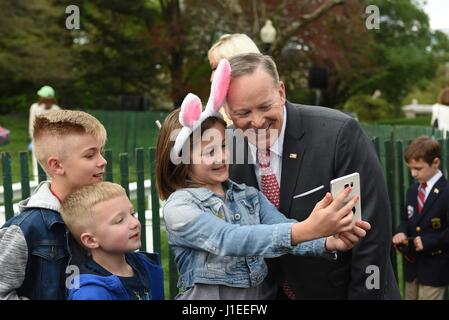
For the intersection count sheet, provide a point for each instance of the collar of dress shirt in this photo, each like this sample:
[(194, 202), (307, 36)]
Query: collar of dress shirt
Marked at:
[(432, 182)]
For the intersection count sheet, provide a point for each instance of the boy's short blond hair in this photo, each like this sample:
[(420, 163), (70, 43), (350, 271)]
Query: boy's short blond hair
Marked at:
[(51, 129), (77, 209)]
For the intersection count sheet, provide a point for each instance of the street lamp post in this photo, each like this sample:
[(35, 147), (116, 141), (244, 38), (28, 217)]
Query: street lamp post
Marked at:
[(318, 78), (268, 35)]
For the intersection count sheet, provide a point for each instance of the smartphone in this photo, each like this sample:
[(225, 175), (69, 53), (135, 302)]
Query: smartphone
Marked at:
[(351, 180)]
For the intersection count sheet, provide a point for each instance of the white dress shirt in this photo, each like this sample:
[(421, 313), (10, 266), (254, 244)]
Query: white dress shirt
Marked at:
[(432, 182)]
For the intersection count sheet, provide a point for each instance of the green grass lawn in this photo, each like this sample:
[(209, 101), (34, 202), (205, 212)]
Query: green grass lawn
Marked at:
[(18, 127), (418, 121)]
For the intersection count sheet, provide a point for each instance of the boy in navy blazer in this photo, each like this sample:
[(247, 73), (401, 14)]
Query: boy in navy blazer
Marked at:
[(423, 234)]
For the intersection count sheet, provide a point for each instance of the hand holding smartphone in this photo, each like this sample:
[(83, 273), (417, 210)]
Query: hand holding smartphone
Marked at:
[(352, 180)]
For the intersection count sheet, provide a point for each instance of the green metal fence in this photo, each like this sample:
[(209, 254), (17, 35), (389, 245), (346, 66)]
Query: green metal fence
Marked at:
[(128, 130), (124, 181), (388, 147)]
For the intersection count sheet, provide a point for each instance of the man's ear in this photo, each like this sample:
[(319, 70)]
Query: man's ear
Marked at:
[(54, 166), (88, 240), (282, 91), (436, 163)]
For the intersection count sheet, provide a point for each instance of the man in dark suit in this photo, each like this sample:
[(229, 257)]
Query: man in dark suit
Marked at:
[(310, 146), (423, 235)]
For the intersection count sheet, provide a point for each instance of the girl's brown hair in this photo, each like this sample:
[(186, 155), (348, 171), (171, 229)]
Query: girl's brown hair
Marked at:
[(171, 177)]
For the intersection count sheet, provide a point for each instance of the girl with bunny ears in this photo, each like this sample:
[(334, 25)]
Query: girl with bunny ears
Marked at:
[(219, 231)]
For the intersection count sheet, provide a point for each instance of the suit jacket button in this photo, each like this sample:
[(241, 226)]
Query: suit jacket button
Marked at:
[(418, 229)]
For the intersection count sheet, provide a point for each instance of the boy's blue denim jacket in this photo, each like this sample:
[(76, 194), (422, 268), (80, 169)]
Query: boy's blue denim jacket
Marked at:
[(35, 250), (46, 237), (224, 242)]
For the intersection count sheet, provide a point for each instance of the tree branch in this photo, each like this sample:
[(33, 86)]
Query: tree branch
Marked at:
[(288, 32)]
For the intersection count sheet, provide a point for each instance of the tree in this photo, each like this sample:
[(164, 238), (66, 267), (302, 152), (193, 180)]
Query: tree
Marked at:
[(158, 48), (294, 22), (35, 50), (114, 55), (170, 36), (403, 48)]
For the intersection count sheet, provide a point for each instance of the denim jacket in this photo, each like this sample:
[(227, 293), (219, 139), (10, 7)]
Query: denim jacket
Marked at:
[(34, 250), (224, 241)]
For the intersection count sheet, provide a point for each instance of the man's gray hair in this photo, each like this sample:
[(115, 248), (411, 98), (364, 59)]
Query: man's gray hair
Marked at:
[(248, 63)]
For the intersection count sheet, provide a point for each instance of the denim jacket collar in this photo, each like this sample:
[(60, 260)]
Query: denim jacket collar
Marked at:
[(202, 194), (50, 217)]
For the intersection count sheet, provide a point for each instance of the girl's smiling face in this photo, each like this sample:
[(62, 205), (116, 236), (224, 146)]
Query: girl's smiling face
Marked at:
[(209, 166)]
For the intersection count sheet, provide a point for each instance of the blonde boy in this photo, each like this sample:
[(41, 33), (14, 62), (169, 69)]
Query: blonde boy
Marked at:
[(34, 245), (102, 219)]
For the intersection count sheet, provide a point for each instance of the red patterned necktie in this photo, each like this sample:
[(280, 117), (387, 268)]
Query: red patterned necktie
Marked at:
[(421, 196), (270, 188), (268, 181)]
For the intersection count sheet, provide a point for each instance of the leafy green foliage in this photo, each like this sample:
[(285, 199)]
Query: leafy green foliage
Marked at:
[(158, 49), (34, 50), (368, 108), (427, 91), (403, 50)]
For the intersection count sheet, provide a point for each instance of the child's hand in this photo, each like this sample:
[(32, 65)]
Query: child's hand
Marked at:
[(418, 244), (327, 218), (347, 240), (399, 238), (331, 217)]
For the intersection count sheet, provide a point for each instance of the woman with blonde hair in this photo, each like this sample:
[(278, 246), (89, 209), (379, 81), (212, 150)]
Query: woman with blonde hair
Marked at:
[(230, 45), (226, 47)]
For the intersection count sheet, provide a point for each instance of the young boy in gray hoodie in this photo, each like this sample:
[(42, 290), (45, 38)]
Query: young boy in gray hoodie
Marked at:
[(35, 245)]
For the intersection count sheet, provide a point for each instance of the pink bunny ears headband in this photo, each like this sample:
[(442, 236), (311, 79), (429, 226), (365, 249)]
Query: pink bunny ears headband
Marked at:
[(191, 115)]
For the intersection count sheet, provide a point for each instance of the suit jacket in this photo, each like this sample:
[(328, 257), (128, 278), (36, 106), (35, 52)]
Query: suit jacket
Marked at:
[(329, 144), (431, 266)]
